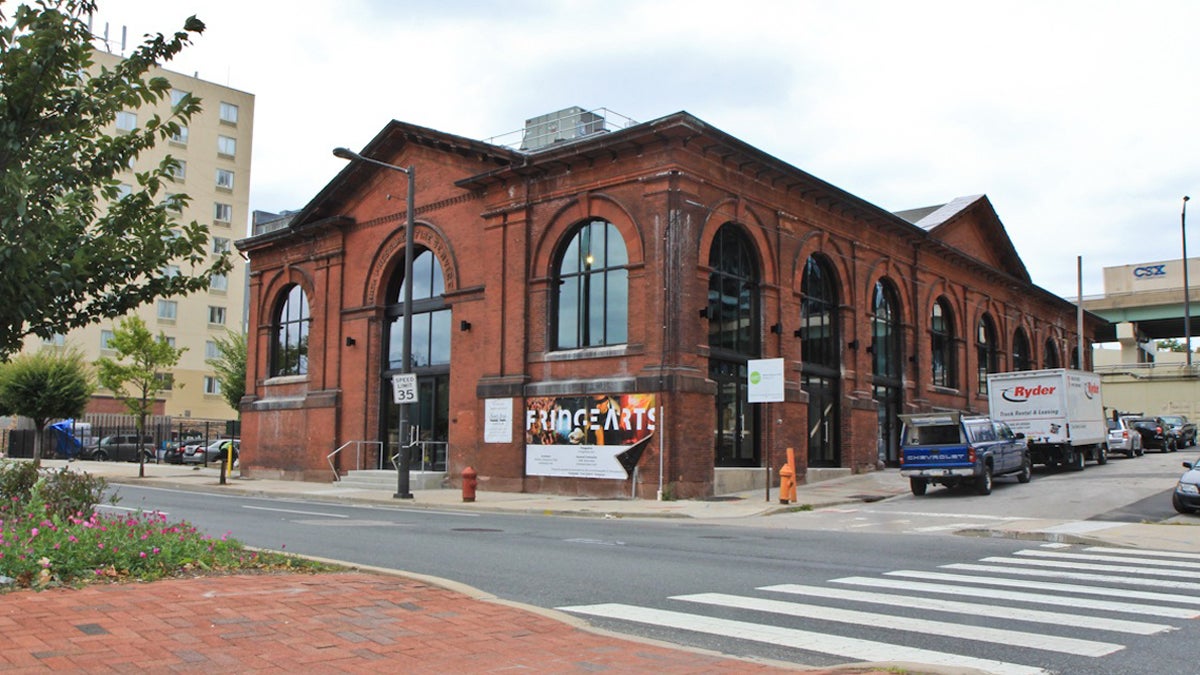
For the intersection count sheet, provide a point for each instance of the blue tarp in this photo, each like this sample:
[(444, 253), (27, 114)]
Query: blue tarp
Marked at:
[(66, 445)]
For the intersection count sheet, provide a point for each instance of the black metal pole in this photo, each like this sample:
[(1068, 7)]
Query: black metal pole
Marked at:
[(1187, 289), (403, 466)]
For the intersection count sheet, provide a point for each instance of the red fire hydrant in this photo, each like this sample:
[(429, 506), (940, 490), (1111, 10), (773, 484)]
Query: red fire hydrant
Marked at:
[(469, 482)]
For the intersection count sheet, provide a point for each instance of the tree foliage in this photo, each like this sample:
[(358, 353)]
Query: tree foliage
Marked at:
[(45, 386), (230, 366), (73, 250), (135, 376)]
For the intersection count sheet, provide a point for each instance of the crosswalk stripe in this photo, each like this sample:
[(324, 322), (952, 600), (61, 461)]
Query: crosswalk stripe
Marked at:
[(1092, 567), (1082, 576), (844, 647), (1098, 623), (1108, 558), (1144, 552), (1053, 643), (1029, 585)]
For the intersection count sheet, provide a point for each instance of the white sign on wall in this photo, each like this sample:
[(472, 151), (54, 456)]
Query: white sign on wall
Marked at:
[(764, 380), (498, 420)]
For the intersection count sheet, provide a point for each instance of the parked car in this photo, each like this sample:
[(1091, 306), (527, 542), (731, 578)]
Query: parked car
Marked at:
[(120, 448), (952, 449), (1124, 439), (212, 453), (1155, 433), (1186, 498), (1183, 430), (171, 453)]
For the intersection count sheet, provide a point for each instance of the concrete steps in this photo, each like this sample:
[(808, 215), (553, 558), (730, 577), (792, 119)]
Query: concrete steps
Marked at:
[(381, 479)]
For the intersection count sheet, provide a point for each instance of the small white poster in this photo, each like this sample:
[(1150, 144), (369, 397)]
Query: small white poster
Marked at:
[(498, 420), (764, 380)]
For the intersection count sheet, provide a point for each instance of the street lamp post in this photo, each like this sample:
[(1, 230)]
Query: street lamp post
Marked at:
[(402, 470), (1187, 290)]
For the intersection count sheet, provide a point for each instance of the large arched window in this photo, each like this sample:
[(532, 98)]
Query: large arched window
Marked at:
[(431, 318), (885, 331), (819, 345), (733, 338), (986, 352), (820, 349), (733, 293), (1050, 354), (1021, 357), (941, 344), (289, 330), (592, 305)]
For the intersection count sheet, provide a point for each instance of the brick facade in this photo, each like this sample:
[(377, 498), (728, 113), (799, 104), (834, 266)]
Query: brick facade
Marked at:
[(496, 219)]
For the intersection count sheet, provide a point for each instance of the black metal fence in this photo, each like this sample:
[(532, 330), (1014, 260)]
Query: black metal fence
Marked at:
[(163, 431)]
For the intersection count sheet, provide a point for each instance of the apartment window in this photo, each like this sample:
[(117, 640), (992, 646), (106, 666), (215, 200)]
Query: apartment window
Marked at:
[(166, 381), (170, 271), (222, 213), (180, 137), (169, 340), (216, 315), (225, 179), (229, 113), (124, 190), (226, 146), (211, 385), (168, 309), (177, 96), (219, 282), (56, 340), (173, 202), (106, 337), (179, 171), (126, 121), (220, 245), (210, 350)]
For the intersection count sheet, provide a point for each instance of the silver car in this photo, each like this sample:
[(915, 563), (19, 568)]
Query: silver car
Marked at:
[(1123, 439)]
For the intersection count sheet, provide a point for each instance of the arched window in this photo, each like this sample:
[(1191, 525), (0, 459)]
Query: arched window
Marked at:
[(733, 293), (1050, 354), (289, 329), (431, 318), (941, 343), (592, 305), (819, 344), (1021, 358), (885, 331), (986, 352)]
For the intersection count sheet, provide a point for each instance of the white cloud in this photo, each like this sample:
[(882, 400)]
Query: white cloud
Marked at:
[(1076, 118)]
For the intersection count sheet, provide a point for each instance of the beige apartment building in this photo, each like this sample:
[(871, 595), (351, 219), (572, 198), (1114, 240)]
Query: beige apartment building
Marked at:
[(214, 153)]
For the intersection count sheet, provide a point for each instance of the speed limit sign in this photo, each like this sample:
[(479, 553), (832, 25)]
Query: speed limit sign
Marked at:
[(404, 388)]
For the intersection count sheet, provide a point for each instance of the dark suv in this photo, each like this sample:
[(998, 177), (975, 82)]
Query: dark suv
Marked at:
[(1156, 433), (120, 448)]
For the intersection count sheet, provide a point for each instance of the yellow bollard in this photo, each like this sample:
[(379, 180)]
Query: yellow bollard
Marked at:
[(787, 479)]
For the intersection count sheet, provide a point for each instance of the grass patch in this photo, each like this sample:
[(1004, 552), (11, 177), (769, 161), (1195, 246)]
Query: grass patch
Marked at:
[(53, 535)]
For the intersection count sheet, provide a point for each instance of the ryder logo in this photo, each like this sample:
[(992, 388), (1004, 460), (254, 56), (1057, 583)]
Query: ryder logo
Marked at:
[(1091, 390), (1021, 394)]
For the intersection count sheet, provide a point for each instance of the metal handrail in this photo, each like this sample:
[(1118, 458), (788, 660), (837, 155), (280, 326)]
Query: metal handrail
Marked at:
[(357, 457)]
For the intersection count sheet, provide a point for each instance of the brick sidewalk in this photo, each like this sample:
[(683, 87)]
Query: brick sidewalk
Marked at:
[(347, 622)]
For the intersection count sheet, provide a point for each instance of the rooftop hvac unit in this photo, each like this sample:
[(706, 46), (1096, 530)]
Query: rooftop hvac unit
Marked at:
[(564, 125)]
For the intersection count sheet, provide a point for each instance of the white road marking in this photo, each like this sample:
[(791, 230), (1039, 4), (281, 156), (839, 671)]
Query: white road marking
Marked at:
[(296, 511), (1104, 578), (1137, 552), (1089, 567), (1110, 558), (968, 608), (844, 647), (876, 620), (1026, 584)]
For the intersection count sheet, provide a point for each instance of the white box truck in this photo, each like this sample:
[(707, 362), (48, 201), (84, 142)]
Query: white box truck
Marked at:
[(1059, 411)]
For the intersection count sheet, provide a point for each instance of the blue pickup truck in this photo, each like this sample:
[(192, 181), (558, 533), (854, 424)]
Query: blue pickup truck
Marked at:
[(951, 449)]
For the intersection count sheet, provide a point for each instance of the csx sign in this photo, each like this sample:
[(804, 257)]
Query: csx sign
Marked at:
[(1147, 271)]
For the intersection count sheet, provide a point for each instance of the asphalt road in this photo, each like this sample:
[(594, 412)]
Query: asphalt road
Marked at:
[(716, 586)]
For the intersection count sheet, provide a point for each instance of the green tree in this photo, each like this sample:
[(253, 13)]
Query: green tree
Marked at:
[(45, 386), (136, 375), (74, 251), (230, 365)]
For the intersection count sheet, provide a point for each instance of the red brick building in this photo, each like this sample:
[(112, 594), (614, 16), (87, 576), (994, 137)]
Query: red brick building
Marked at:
[(585, 313)]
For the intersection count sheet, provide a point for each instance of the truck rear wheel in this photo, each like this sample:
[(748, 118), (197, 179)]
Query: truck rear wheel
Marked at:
[(1026, 473), (1077, 461), (1102, 454), (983, 484), (918, 485)]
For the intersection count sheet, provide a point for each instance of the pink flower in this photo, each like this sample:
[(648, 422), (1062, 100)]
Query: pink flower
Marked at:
[(33, 532)]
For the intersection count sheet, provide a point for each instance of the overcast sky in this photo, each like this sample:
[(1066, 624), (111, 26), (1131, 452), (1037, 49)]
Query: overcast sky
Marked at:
[(1077, 119)]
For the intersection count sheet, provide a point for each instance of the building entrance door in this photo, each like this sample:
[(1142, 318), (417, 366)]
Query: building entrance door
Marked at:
[(737, 421)]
